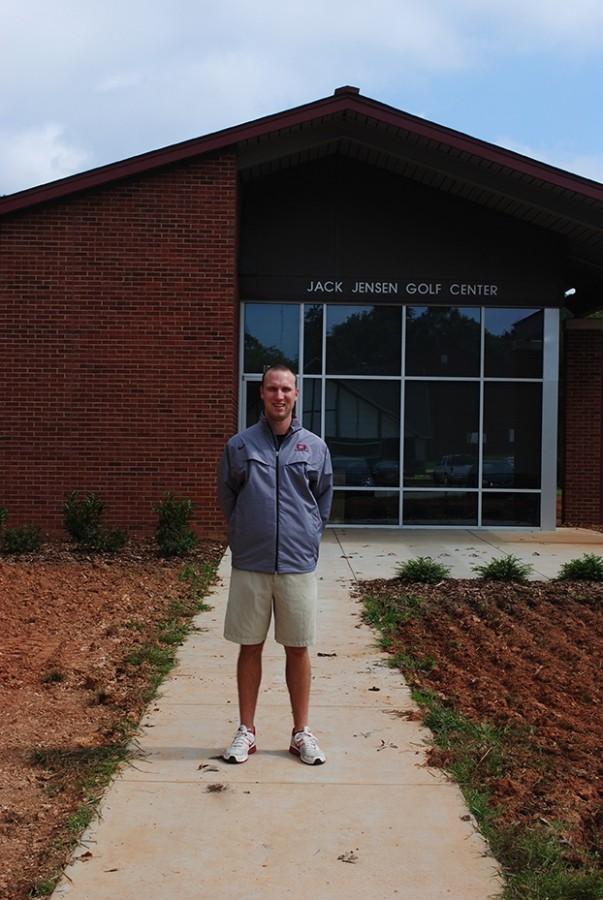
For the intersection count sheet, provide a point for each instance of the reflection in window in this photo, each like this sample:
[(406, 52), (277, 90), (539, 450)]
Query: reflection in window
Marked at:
[(442, 340), (312, 404), (363, 340), (365, 507), (440, 508), (254, 406), (514, 339), (511, 509), (512, 439), (271, 336), (362, 429), (313, 339), (441, 433)]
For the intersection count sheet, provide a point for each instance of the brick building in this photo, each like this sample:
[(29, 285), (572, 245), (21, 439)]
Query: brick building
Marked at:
[(417, 279)]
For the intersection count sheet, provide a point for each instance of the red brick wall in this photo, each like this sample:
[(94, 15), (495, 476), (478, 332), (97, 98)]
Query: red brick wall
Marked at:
[(583, 422), (118, 346)]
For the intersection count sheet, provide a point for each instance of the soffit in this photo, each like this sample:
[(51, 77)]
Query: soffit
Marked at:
[(437, 164)]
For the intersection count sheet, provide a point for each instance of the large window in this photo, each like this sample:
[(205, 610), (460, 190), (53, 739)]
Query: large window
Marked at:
[(433, 414)]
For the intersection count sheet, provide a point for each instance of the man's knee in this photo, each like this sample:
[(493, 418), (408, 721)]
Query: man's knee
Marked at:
[(296, 652), (249, 651)]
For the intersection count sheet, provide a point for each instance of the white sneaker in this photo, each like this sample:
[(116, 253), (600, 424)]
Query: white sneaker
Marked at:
[(242, 745), (305, 745)]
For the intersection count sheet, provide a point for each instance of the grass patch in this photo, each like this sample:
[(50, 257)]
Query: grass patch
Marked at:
[(93, 768), (386, 613), (537, 862), (43, 888), (198, 581), (90, 770), (159, 653), (404, 659)]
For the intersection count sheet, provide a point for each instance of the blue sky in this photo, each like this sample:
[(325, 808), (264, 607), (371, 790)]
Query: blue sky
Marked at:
[(90, 82)]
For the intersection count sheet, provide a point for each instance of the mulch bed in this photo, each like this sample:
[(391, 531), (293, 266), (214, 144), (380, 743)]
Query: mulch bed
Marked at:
[(68, 623), (529, 656)]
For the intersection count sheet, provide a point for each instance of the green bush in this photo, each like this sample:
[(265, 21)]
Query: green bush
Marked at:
[(173, 534), (25, 539), (82, 520), (3, 514), (588, 567), (422, 569), (110, 541), (504, 568)]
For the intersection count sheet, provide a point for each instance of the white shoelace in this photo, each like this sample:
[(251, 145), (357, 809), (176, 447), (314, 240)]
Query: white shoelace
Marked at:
[(242, 740), (307, 739)]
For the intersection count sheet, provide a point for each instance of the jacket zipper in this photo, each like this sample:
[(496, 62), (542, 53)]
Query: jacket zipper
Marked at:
[(277, 505), (277, 450)]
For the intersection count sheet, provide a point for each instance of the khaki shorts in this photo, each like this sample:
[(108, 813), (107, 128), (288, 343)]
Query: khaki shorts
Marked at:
[(254, 595)]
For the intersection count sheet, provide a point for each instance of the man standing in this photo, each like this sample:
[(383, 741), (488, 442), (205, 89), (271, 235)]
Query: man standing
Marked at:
[(275, 485)]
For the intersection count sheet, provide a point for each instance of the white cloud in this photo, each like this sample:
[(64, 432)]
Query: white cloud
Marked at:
[(537, 24), (118, 82), (37, 155), (123, 78)]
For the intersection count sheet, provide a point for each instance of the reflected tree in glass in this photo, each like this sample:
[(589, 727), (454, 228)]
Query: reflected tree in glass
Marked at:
[(442, 340), (271, 336), (363, 340), (513, 343)]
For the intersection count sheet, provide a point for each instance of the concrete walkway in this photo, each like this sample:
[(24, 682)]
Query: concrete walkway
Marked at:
[(374, 822)]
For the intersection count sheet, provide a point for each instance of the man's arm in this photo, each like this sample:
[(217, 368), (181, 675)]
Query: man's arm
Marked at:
[(324, 488), (228, 484)]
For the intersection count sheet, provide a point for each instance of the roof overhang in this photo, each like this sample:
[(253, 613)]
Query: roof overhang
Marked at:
[(351, 124)]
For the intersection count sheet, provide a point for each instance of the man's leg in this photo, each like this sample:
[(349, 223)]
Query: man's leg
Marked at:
[(298, 673), (249, 676)]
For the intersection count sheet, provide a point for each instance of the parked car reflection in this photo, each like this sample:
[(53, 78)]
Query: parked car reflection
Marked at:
[(497, 473), (455, 468), (386, 472), (351, 470)]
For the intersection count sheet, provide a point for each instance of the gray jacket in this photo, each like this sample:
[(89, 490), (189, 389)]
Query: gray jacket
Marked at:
[(276, 501)]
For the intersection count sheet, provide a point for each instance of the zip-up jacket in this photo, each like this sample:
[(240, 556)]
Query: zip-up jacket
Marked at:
[(276, 500)]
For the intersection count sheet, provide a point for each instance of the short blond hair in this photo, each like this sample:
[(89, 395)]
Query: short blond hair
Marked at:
[(279, 367)]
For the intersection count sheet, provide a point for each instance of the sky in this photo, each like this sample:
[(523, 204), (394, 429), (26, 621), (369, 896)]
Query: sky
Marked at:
[(91, 82)]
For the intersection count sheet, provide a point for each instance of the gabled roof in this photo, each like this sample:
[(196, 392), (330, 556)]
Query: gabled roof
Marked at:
[(344, 100), (352, 124)]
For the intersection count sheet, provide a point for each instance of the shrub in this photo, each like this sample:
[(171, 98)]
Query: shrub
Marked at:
[(25, 539), (3, 514), (588, 567), (110, 541), (504, 568), (173, 534), (82, 517), (422, 569), (82, 520)]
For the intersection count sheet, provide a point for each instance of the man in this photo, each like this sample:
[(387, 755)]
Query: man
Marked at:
[(275, 485)]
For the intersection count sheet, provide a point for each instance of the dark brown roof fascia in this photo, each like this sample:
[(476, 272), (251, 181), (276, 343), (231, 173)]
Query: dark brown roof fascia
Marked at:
[(291, 118)]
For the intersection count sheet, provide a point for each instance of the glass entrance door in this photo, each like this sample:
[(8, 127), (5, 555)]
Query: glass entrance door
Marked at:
[(434, 415)]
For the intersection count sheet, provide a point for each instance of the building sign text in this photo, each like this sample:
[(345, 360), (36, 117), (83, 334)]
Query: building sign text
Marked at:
[(403, 288)]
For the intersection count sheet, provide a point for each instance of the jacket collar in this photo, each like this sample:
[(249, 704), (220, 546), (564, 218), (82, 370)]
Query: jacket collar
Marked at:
[(295, 425)]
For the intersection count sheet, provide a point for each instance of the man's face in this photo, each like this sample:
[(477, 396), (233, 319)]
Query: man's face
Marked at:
[(278, 395)]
